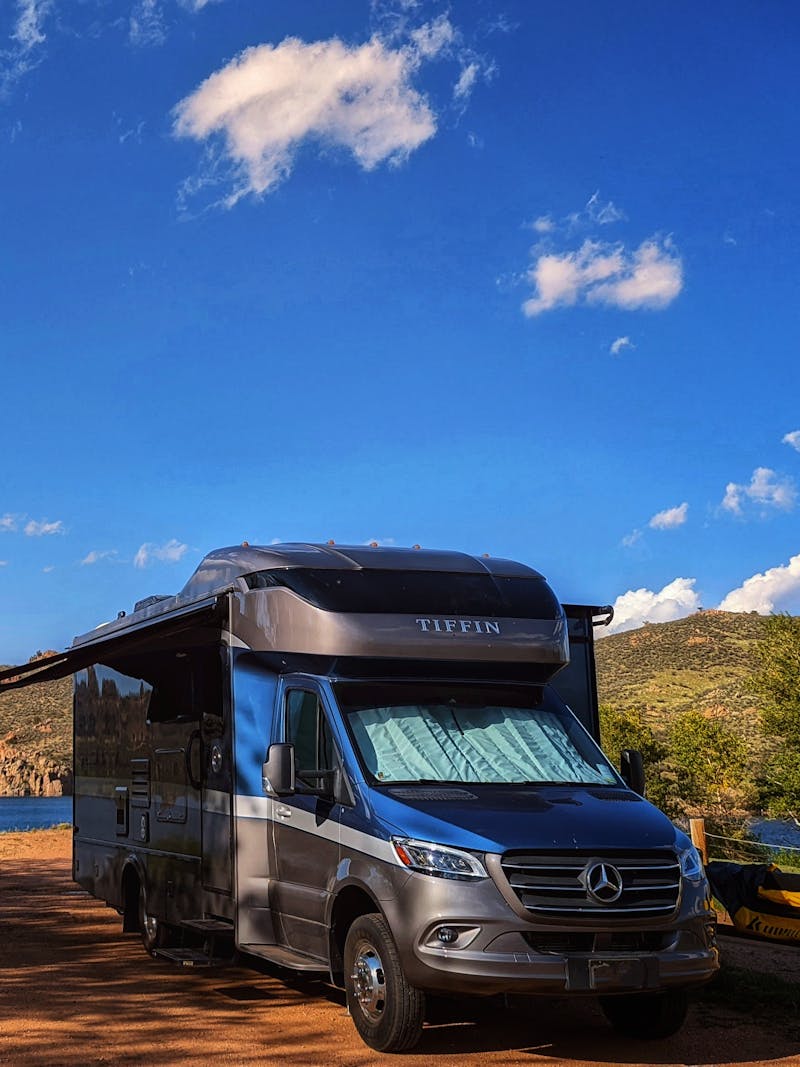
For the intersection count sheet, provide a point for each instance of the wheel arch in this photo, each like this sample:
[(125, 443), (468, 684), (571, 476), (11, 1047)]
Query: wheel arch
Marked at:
[(351, 902), (131, 884)]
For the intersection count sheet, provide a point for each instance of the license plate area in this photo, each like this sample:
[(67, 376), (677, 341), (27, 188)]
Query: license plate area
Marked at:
[(608, 974)]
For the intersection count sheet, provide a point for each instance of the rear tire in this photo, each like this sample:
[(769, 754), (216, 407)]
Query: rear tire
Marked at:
[(155, 934), (387, 1012), (647, 1016)]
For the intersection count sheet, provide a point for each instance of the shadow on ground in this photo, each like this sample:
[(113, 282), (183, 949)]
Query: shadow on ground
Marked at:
[(76, 990)]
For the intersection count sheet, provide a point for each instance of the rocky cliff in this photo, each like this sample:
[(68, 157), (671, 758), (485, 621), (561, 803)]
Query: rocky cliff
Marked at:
[(32, 775), (36, 740)]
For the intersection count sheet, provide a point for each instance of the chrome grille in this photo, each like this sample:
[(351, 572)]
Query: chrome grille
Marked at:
[(554, 884)]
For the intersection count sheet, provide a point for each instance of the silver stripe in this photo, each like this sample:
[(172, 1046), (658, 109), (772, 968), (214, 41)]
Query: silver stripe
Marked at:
[(247, 807), (216, 801)]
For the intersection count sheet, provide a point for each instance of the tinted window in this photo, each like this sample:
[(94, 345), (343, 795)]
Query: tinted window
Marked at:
[(415, 592)]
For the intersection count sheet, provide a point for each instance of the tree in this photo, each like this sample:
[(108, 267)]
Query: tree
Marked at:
[(626, 729), (777, 683), (711, 757)]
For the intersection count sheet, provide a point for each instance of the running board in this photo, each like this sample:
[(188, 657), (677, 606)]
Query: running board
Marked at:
[(285, 957)]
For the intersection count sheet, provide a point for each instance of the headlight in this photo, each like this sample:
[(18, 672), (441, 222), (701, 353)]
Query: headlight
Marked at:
[(438, 860), (691, 864)]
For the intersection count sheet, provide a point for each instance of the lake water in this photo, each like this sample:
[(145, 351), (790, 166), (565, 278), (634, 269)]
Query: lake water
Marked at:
[(34, 813), (777, 832)]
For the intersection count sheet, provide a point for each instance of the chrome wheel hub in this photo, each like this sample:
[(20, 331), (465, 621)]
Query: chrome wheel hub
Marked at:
[(151, 926), (369, 981)]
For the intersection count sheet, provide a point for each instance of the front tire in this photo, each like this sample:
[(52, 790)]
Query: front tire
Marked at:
[(387, 1012), (646, 1016)]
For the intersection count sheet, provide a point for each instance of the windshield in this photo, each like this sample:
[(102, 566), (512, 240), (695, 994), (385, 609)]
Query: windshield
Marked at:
[(414, 732)]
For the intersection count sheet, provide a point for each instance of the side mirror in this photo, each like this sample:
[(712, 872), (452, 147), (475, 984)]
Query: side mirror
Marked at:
[(631, 768), (277, 774)]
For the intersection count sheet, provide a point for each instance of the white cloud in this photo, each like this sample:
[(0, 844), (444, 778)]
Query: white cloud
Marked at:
[(96, 555), (134, 132), (43, 528), (433, 37), (466, 81), (27, 39), (3, 562), (629, 540), (28, 30), (8, 523), (620, 343), (776, 589), (792, 439), (381, 542), (638, 606), (48, 570), (595, 212), (651, 276), (603, 214), (146, 25), (271, 99), (544, 224), (170, 552), (670, 518), (766, 490)]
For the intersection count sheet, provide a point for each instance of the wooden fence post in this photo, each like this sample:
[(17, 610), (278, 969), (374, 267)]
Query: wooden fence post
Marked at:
[(697, 832)]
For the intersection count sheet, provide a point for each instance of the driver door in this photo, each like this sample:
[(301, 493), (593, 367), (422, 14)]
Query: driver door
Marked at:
[(305, 826)]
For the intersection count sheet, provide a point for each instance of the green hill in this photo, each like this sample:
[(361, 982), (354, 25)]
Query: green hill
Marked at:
[(38, 720), (36, 740), (701, 662)]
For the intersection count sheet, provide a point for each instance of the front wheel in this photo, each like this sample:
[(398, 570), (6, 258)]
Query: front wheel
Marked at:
[(387, 1012), (646, 1015)]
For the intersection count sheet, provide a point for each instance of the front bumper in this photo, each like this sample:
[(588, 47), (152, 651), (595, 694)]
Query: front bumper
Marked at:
[(497, 950)]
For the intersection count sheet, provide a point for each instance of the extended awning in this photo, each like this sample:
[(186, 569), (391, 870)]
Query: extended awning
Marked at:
[(148, 633)]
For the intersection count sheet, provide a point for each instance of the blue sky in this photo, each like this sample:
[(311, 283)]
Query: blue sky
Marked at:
[(516, 278)]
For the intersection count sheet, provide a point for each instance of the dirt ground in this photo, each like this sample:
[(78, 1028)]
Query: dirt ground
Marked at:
[(75, 990)]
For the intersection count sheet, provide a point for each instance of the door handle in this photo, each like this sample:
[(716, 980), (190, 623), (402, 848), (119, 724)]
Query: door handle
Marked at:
[(283, 812), (195, 735)]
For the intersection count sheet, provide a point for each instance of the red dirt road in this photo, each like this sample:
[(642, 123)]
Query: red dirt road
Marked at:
[(75, 990)]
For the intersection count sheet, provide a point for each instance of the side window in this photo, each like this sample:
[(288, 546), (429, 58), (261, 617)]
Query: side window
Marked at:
[(308, 729)]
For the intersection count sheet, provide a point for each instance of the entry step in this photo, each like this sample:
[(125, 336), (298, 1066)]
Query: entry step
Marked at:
[(208, 926), (190, 957)]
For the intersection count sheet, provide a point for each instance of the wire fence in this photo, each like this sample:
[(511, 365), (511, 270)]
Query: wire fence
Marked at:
[(750, 850)]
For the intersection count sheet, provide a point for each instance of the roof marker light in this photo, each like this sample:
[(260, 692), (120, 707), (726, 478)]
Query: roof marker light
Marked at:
[(330, 542), (416, 546), (245, 544), (373, 544)]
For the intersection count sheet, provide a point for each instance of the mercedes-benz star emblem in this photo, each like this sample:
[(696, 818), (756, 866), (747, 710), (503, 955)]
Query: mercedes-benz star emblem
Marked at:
[(603, 882)]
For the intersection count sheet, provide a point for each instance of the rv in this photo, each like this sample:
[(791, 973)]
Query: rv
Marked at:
[(380, 765)]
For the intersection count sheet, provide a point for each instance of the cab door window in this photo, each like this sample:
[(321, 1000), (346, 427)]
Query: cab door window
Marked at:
[(308, 730)]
